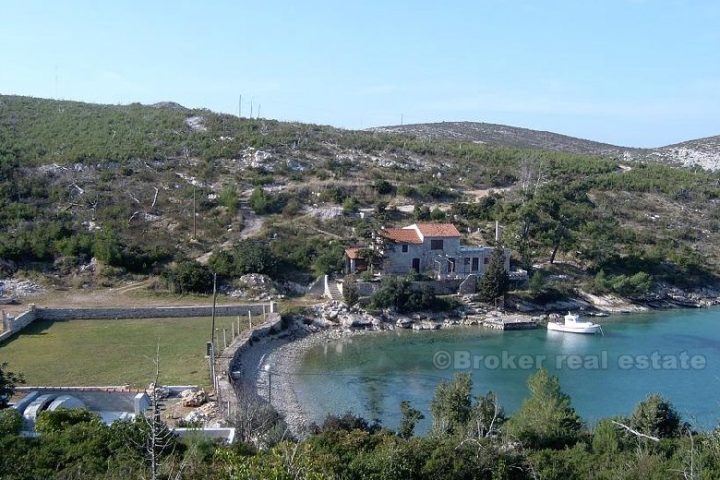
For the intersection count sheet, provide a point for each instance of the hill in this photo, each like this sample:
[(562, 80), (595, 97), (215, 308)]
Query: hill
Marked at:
[(119, 183), (703, 152)]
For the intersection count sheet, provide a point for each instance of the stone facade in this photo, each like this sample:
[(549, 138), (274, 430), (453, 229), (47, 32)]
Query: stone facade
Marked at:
[(432, 249)]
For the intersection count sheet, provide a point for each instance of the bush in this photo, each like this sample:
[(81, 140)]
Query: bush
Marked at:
[(330, 260), (637, 284), (248, 256), (62, 418), (10, 422), (383, 187), (228, 198), (190, 276), (263, 203), (350, 290), (401, 295), (437, 215)]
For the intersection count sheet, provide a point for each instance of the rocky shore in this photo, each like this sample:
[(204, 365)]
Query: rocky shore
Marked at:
[(269, 366)]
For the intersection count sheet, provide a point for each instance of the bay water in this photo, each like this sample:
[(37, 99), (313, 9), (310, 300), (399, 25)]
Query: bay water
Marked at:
[(675, 353)]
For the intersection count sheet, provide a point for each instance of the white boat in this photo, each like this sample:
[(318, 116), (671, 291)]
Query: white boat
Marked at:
[(573, 325)]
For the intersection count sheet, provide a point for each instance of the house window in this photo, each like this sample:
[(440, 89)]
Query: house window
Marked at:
[(466, 263), (486, 260), (404, 249), (475, 264), (436, 244)]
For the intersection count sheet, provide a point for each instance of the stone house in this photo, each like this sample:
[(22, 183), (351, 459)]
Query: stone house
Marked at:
[(430, 248)]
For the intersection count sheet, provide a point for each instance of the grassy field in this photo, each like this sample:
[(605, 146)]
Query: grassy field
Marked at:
[(113, 352)]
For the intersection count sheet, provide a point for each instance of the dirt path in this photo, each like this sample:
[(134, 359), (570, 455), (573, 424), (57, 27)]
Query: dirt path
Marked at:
[(252, 224)]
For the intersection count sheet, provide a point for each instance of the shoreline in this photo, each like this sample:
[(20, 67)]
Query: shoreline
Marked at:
[(273, 361)]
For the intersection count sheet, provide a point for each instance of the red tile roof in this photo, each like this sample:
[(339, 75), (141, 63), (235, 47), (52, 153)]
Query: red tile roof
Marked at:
[(438, 230), (353, 252), (402, 235)]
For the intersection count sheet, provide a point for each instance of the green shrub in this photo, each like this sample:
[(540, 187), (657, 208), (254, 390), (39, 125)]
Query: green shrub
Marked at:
[(190, 276), (401, 295), (10, 422), (247, 256), (62, 418)]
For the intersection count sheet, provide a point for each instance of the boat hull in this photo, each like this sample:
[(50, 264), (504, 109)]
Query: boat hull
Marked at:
[(588, 329)]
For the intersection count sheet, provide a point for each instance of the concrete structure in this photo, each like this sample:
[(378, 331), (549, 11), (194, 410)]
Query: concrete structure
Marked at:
[(430, 248)]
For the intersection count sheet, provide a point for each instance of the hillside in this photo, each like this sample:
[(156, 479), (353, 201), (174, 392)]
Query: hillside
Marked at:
[(117, 183), (504, 135), (704, 152)]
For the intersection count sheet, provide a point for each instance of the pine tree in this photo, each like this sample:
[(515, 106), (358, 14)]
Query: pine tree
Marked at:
[(496, 281)]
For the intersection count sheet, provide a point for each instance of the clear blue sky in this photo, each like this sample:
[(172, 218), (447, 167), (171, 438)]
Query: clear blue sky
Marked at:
[(630, 72)]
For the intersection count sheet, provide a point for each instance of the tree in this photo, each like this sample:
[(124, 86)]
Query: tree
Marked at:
[(410, 418), (487, 415), (495, 282), (536, 282), (350, 290), (656, 417), (451, 405), (8, 382), (559, 212), (546, 419)]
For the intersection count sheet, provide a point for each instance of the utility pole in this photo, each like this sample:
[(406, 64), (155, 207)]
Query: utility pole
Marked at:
[(240, 107), (269, 373), (194, 214), (251, 105), (212, 336)]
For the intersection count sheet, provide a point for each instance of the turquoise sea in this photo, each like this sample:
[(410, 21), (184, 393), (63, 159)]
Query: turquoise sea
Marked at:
[(675, 353)]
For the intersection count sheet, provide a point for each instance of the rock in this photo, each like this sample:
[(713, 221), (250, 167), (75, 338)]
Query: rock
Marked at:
[(404, 322), (193, 398), (160, 391)]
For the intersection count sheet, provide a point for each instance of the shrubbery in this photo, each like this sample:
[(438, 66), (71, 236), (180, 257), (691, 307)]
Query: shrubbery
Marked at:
[(401, 295), (190, 277), (247, 256), (637, 284)]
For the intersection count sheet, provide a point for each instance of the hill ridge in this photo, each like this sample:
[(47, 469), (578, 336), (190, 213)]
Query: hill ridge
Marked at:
[(703, 152)]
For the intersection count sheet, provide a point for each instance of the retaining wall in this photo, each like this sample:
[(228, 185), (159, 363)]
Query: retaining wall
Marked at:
[(229, 358), (154, 312), (440, 287), (12, 325)]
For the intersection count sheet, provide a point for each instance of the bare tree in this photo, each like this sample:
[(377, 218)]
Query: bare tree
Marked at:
[(160, 439), (256, 421)]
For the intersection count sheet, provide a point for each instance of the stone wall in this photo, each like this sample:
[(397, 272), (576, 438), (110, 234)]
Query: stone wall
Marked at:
[(154, 312), (440, 287), (12, 325), (229, 358)]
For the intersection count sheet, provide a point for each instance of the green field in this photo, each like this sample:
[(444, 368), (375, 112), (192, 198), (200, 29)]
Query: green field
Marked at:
[(114, 352)]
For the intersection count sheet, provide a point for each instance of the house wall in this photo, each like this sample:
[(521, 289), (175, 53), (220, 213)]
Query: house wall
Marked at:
[(397, 262)]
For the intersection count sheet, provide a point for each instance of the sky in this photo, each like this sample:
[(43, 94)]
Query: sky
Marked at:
[(641, 73)]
